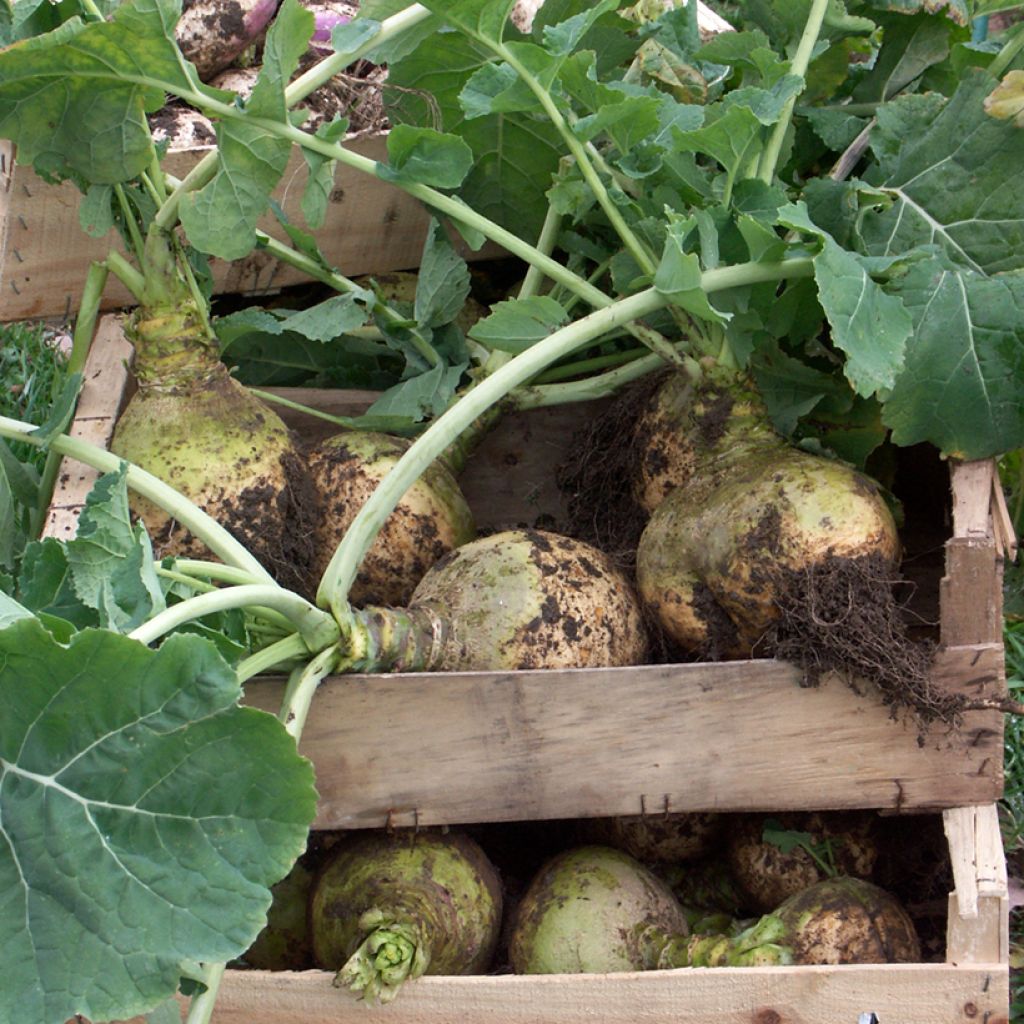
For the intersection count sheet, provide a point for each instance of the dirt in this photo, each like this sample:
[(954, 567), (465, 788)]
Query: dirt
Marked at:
[(842, 616), (597, 476)]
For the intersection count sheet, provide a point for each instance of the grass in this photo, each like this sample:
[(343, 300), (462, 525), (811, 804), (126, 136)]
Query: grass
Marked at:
[(31, 376)]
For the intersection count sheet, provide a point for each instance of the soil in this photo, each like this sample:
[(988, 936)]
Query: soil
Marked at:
[(597, 476)]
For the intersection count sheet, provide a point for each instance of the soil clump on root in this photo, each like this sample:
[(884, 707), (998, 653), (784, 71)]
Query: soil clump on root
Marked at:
[(842, 616)]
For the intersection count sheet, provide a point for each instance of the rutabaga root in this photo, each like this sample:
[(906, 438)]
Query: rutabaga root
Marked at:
[(431, 519), (389, 908)]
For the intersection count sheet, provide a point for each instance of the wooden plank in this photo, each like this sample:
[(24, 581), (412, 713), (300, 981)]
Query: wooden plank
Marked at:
[(970, 593), (895, 993), (971, 483), (371, 227), (104, 382), (975, 670), (579, 743)]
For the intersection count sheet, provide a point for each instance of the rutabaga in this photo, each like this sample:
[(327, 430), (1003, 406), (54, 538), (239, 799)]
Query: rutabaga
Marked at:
[(387, 908)]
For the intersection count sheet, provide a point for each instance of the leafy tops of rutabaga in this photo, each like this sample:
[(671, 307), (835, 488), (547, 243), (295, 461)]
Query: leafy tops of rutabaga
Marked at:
[(663, 155), (918, 243)]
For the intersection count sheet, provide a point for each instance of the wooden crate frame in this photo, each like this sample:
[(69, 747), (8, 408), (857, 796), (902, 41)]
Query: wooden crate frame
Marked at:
[(371, 227), (533, 750)]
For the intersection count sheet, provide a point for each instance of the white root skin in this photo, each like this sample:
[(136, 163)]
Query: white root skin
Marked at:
[(783, 510), (431, 519), (527, 599), (213, 444)]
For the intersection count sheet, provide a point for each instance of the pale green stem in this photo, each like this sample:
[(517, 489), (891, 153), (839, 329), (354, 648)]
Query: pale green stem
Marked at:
[(193, 518), (88, 313), (316, 627), (579, 151), (345, 422), (566, 371), (126, 274), (272, 619), (545, 245), (1004, 58), (130, 223), (801, 61), (215, 571), (288, 649), (302, 687), (200, 1009), (298, 90)]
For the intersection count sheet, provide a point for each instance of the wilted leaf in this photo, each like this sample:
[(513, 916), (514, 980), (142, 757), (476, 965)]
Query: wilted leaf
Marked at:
[(144, 817), (1006, 100)]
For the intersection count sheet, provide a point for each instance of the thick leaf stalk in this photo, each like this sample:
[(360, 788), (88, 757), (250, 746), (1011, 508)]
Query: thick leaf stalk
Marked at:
[(392, 953), (760, 945)]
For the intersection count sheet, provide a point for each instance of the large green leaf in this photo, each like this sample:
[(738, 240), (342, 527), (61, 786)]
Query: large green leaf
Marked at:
[(955, 184), (74, 100), (514, 155), (143, 817), (869, 325), (220, 218), (960, 388)]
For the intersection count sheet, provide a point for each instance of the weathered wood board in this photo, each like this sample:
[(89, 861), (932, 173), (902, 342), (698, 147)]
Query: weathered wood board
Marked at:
[(895, 993), (371, 227), (529, 745)]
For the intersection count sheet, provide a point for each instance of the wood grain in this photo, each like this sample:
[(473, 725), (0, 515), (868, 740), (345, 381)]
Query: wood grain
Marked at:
[(895, 993), (534, 745), (371, 227)]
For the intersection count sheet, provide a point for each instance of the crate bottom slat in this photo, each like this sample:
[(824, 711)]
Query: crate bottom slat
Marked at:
[(894, 993)]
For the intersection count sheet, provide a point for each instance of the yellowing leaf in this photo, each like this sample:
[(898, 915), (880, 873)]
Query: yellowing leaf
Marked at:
[(1006, 101)]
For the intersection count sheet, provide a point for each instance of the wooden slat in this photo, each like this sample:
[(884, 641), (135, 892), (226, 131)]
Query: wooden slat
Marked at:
[(371, 227), (103, 385), (534, 745), (896, 994), (978, 918)]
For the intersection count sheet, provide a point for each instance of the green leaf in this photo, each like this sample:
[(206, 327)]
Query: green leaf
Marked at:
[(870, 326), (428, 394), (111, 560), (443, 283), (46, 586), (496, 89), (74, 100), (479, 19), (563, 38), (140, 832), (514, 155), (11, 611), (220, 218), (960, 388), (320, 184), (427, 157), (679, 273), (329, 319), (95, 211), (910, 47), (62, 410), (964, 197), (731, 139), (516, 324)]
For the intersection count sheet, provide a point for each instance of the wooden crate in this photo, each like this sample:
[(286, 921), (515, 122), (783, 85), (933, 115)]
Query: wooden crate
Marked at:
[(738, 736), (371, 227)]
